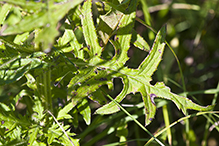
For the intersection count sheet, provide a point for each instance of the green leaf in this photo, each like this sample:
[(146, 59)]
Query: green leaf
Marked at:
[(70, 37), (46, 37), (30, 5), (151, 62), (39, 109), (43, 18), (122, 131), (181, 102), (46, 19), (16, 68), (85, 110), (75, 117), (89, 32), (98, 97), (30, 22), (19, 39), (13, 46), (31, 82), (4, 12), (108, 24), (138, 41), (9, 120), (124, 33), (87, 83), (63, 113), (20, 95), (55, 132), (138, 80), (99, 72), (33, 135)]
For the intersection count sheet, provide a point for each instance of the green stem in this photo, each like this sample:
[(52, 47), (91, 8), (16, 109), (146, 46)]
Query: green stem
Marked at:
[(167, 123), (178, 121), (44, 89), (136, 121), (204, 142), (47, 90)]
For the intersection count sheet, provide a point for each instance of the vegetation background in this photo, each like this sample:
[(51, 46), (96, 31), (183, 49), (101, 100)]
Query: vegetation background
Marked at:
[(192, 32)]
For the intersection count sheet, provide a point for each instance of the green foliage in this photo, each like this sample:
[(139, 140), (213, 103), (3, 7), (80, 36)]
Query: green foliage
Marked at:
[(62, 56)]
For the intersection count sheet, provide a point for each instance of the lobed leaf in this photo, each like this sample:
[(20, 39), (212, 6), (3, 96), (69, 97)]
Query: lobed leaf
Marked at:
[(124, 32), (55, 132), (33, 135), (9, 121), (86, 87), (16, 68), (39, 109), (99, 72), (138, 80), (151, 62), (89, 31)]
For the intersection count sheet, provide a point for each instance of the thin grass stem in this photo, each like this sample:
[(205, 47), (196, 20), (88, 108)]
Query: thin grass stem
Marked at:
[(136, 121), (63, 130), (204, 142), (178, 121)]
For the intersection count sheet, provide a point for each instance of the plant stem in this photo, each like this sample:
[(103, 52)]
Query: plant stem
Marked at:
[(136, 121), (204, 141), (178, 121), (167, 123), (44, 89), (47, 90)]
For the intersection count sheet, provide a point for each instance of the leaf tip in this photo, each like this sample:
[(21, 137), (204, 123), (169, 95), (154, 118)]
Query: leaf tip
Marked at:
[(147, 122)]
